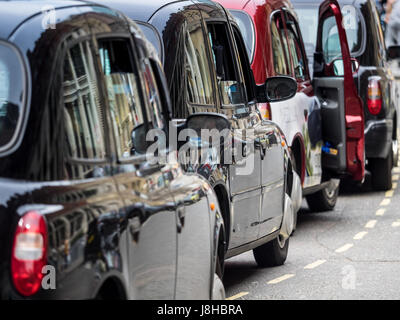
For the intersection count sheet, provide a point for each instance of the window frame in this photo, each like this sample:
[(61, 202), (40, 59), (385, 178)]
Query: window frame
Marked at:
[(20, 129)]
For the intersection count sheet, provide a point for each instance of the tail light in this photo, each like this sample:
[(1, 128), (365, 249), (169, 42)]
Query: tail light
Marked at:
[(265, 110), (29, 253), (374, 99)]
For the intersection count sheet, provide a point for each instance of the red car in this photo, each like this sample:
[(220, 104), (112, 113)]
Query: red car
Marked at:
[(324, 122)]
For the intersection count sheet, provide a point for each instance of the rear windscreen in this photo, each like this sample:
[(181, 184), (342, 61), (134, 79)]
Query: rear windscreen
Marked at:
[(11, 95)]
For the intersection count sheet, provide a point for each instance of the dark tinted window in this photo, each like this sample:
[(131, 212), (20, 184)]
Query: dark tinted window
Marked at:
[(123, 92), (230, 88), (279, 46), (11, 94), (247, 29), (197, 67), (83, 113), (296, 49)]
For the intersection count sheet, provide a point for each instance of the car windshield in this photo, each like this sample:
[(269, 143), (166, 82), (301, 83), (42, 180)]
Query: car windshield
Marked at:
[(246, 27), (308, 21), (11, 95)]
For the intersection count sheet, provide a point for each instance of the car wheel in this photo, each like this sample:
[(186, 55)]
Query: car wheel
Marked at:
[(218, 292), (273, 253), (381, 171), (325, 199)]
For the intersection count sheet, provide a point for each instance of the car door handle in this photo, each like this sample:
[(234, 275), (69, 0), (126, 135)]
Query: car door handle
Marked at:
[(134, 228), (181, 212)]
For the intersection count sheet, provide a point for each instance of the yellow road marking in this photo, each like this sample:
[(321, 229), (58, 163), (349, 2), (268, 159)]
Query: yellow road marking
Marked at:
[(280, 279), (315, 264), (396, 170), (394, 185), (389, 193), (360, 235), (344, 248), (396, 224), (380, 212), (237, 296), (371, 224), (395, 177), (385, 202)]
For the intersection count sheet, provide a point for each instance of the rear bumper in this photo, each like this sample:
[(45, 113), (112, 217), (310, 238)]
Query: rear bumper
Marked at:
[(378, 138)]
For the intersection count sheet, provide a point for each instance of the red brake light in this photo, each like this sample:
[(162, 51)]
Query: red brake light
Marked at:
[(374, 98), (29, 253)]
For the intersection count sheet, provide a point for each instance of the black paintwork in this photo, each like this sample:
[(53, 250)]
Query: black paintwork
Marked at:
[(91, 220), (169, 19)]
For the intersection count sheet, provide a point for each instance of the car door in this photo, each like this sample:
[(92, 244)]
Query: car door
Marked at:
[(268, 143), (84, 216), (245, 172), (341, 107), (134, 105), (308, 106)]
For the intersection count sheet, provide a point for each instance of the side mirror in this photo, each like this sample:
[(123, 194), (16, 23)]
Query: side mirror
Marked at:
[(393, 52), (139, 143), (338, 67), (280, 88), (209, 121)]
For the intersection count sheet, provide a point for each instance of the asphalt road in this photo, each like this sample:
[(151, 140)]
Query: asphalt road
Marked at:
[(352, 252)]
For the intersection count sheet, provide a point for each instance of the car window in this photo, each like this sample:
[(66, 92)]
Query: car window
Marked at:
[(122, 92), (308, 22), (154, 107), (279, 46), (11, 94), (330, 40), (229, 85), (247, 29), (151, 34), (353, 27), (376, 24), (83, 113), (296, 51), (352, 22), (197, 68), (244, 64)]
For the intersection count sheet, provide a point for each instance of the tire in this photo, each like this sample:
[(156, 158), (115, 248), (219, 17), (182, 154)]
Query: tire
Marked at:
[(218, 292), (395, 148), (381, 171), (325, 199), (272, 254)]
